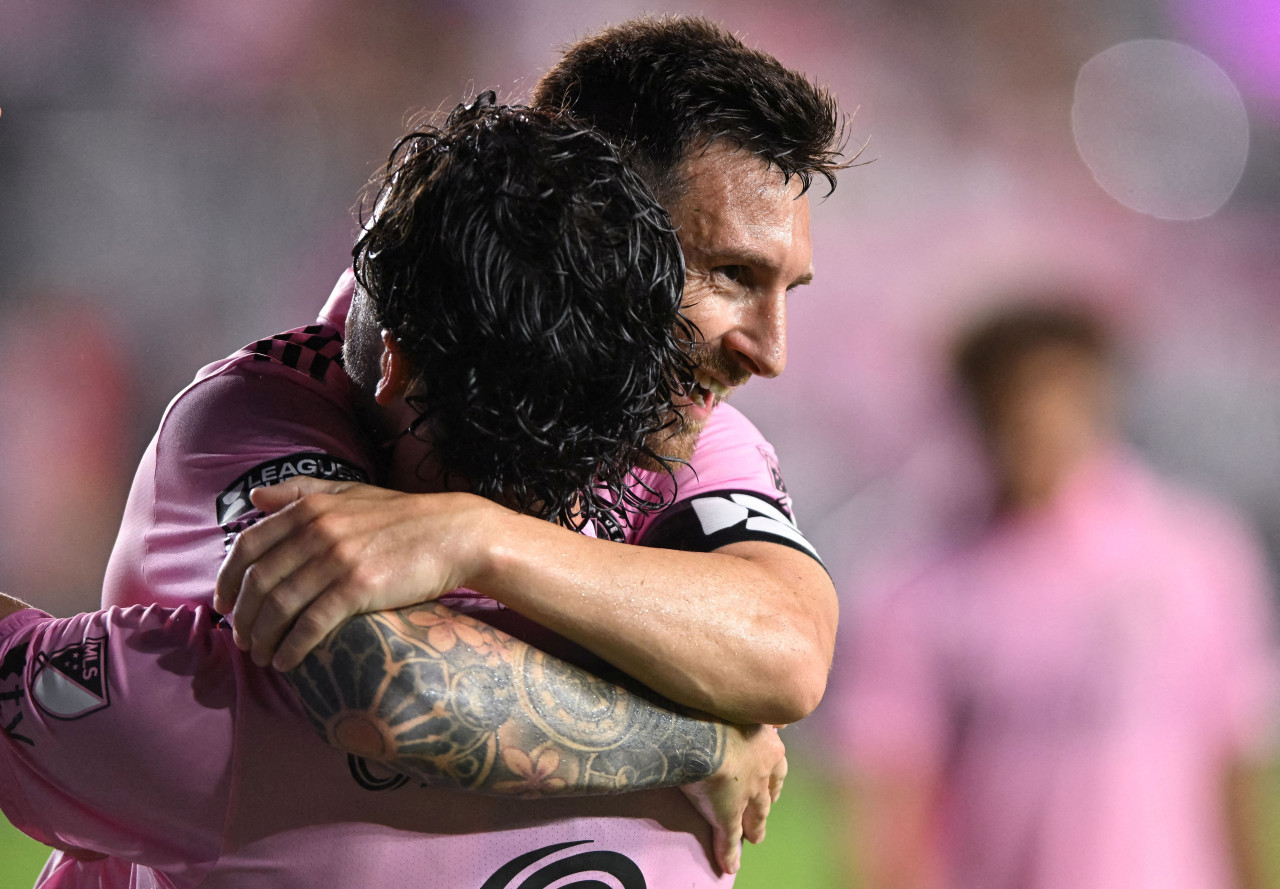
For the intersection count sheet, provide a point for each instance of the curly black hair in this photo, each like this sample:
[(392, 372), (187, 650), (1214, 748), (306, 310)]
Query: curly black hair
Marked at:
[(534, 285), (660, 88)]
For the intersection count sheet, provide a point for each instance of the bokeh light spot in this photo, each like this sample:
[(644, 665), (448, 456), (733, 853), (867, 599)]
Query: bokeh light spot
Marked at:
[(1161, 127)]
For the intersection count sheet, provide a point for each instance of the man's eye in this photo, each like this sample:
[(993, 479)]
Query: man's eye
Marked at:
[(732, 272)]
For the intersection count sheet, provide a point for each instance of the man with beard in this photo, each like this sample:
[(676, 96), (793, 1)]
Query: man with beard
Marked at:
[(142, 734), (724, 606)]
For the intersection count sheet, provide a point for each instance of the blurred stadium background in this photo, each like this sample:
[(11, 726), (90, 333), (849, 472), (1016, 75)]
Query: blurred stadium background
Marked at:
[(177, 178)]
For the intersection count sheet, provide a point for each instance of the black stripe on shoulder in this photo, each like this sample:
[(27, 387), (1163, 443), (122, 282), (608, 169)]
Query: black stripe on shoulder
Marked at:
[(715, 519)]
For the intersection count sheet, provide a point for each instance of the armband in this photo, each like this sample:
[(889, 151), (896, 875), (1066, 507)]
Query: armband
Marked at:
[(709, 521)]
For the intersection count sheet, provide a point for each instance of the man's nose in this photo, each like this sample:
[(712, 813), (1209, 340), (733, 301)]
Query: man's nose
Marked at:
[(759, 342)]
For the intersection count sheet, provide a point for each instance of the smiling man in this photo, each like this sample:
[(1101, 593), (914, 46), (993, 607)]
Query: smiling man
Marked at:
[(725, 606)]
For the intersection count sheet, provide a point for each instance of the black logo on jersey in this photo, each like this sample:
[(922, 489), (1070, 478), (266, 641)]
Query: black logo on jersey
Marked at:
[(598, 862), (233, 503), (14, 663), (609, 527), (374, 776), (72, 681), (774, 472)]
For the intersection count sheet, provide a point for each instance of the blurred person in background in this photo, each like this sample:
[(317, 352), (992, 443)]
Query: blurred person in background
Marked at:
[(1081, 694)]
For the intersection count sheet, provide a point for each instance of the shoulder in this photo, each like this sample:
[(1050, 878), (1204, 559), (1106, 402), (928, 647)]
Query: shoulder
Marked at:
[(287, 387), (731, 492), (732, 455)]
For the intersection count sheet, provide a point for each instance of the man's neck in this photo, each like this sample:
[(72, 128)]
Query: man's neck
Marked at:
[(10, 605)]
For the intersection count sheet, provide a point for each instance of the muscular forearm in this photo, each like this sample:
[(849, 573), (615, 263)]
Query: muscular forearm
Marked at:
[(746, 632), (450, 700)]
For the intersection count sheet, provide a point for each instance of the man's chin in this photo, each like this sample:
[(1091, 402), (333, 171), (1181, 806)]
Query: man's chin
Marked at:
[(674, 444)]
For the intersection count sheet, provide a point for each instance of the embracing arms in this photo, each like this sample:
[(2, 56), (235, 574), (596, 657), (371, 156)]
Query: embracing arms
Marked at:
[(745, 632), (450, 700)]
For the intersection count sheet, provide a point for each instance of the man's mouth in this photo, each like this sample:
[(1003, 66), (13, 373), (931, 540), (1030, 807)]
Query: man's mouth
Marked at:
[(707, 390)]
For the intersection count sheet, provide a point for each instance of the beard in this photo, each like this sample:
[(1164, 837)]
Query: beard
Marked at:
[(676, 442), (679, 439)]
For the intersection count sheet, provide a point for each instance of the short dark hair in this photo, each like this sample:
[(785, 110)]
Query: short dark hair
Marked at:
[(534, 285), (990, 351), (663, 87)]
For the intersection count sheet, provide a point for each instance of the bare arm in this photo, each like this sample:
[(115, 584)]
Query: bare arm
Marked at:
[(450, 700), (745, 632)]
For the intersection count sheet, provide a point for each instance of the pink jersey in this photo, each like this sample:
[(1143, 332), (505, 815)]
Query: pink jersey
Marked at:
[(284, 406), (1078, 677), (143, 734), (280, 407)]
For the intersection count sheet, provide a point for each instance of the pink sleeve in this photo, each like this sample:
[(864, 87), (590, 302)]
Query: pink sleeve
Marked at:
[(732, 491), (118, 732), (225, 434)]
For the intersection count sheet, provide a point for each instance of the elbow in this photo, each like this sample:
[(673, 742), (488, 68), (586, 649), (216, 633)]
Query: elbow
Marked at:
[(802, 696), (792, 689)]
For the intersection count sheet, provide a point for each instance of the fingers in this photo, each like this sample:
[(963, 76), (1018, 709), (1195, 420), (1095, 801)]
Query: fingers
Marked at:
[(755, 815), (728, 849), (272, 573), (247, 551), (305, 601), (262, 537), (776, 778), (274, 498), (324, 615)]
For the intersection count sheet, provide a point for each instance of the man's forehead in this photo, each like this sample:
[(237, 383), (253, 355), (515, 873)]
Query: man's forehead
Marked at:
[(733, 172), (739, 208)]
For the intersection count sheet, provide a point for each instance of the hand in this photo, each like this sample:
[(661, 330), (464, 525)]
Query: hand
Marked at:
[(736, 799), (328, 550)]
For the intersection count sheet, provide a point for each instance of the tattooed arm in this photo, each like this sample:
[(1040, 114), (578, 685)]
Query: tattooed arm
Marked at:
[(450, 700)]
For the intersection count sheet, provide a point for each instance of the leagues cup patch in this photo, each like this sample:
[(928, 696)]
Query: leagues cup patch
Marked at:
[(72, 681), (233, 503)]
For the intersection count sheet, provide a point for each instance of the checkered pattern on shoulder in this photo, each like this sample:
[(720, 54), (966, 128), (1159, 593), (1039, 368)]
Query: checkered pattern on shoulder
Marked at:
[(311, 350)]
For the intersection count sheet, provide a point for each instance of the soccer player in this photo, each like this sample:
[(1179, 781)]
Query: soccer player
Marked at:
[(1077, 695), (725, 606), (227, 785), (734, 614)]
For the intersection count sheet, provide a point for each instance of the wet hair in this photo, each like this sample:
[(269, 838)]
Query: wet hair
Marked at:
[(663, 88), (534, 285), (990, 352)]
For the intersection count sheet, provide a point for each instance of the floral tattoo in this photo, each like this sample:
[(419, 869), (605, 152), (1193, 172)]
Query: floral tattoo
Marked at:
[(450, 700)]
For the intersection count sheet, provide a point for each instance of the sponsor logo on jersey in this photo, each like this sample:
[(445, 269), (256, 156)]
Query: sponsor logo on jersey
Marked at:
[(374, 775), (546, 866), (72, 682), (233, 504)]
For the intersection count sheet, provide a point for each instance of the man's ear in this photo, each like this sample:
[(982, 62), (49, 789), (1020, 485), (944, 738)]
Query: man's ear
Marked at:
[(393, 377)]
